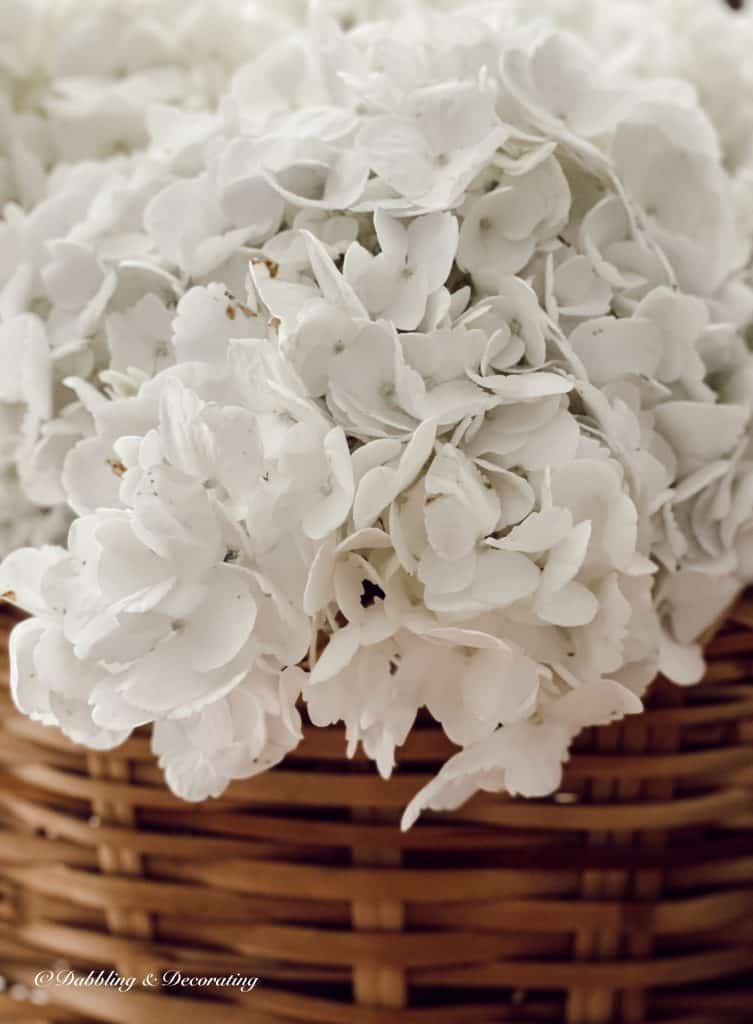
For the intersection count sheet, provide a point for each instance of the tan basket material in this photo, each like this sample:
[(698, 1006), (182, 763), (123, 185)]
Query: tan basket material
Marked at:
[(627, 898)]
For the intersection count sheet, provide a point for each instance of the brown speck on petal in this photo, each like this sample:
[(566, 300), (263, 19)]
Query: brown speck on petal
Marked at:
[(272, 265), (117, 467), (230, 312)]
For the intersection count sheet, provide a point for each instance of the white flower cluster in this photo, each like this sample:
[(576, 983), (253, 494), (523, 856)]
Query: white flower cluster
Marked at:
[(701, 44), (85, 85), (412, 376)]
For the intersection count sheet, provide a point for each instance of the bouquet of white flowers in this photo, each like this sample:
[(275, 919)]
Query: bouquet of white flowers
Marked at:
[(409, 373)]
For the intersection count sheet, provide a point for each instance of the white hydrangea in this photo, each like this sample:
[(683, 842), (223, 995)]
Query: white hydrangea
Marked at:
[(412, 375), (702, 44), (97, 103)]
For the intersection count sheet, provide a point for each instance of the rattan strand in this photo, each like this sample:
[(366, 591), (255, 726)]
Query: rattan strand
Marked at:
[(626, 899)]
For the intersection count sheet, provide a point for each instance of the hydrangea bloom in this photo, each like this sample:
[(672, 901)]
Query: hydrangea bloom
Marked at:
[(423, 384), (84, 89)]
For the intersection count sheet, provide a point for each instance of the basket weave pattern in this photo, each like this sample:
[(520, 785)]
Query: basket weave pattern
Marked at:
[(627, 898)]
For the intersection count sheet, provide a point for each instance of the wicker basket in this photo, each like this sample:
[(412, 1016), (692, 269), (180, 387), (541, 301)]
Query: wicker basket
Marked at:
[(626, 898)]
